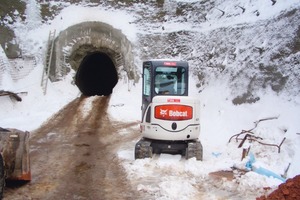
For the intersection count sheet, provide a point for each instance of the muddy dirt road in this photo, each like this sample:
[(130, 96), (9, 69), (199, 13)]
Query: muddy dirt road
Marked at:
[(73, 156)]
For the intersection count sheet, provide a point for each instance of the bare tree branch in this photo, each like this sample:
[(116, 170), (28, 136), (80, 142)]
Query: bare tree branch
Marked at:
[(243, 9), (12, 94), (273, 2), (223, 13), (252, 138)]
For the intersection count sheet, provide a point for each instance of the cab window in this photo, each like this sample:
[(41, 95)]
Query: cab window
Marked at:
[(147, 82), (170, 80)]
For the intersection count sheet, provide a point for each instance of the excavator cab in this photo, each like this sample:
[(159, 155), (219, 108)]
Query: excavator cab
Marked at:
[(163, 78), (170, 118)]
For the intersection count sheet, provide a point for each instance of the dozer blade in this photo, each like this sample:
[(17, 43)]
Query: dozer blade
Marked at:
[(14, 147)]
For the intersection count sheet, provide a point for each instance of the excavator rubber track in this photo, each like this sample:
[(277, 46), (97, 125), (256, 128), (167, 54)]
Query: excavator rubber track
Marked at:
[(194, 149), (143, 149)]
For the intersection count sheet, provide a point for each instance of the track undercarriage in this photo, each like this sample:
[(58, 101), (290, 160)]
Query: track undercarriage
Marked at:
[(145, 148)]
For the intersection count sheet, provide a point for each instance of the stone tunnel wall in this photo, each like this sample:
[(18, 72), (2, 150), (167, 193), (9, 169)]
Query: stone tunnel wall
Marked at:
[(74, 43)]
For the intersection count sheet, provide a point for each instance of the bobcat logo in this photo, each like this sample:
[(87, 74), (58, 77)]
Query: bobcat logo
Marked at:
[(163, 112)]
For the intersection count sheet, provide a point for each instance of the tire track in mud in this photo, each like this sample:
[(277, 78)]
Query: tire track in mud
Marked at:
[(73, 156)]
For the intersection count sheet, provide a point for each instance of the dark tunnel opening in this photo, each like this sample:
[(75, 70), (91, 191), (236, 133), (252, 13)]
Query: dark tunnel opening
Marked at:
[(96, 75)]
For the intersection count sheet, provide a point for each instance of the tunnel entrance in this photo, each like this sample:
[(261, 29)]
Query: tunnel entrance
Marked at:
[(96, 75)]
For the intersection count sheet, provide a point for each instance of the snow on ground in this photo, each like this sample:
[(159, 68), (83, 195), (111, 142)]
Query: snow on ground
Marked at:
[(176, 177), (221, 120)]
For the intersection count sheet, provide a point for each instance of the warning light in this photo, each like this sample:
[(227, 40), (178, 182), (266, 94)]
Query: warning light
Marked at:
[(170, 63)]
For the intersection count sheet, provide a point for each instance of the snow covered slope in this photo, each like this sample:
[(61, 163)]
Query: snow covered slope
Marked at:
[(244, 57)]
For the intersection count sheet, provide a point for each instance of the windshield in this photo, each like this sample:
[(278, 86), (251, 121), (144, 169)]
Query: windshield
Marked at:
[(170, 80)]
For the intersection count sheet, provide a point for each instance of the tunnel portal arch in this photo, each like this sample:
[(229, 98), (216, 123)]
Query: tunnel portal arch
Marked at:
[(78, 45)]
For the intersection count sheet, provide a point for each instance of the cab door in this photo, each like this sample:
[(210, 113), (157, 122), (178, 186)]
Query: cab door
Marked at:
[(147, 87)]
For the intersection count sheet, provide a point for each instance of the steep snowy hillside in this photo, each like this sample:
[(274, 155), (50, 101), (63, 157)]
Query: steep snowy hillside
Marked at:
[(252, 46)]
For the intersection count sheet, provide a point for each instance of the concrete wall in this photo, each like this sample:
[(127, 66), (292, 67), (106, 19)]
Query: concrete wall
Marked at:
[(74, 43)]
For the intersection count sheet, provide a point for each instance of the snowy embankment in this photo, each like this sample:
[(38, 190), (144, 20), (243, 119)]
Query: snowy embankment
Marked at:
[(170, 176)]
